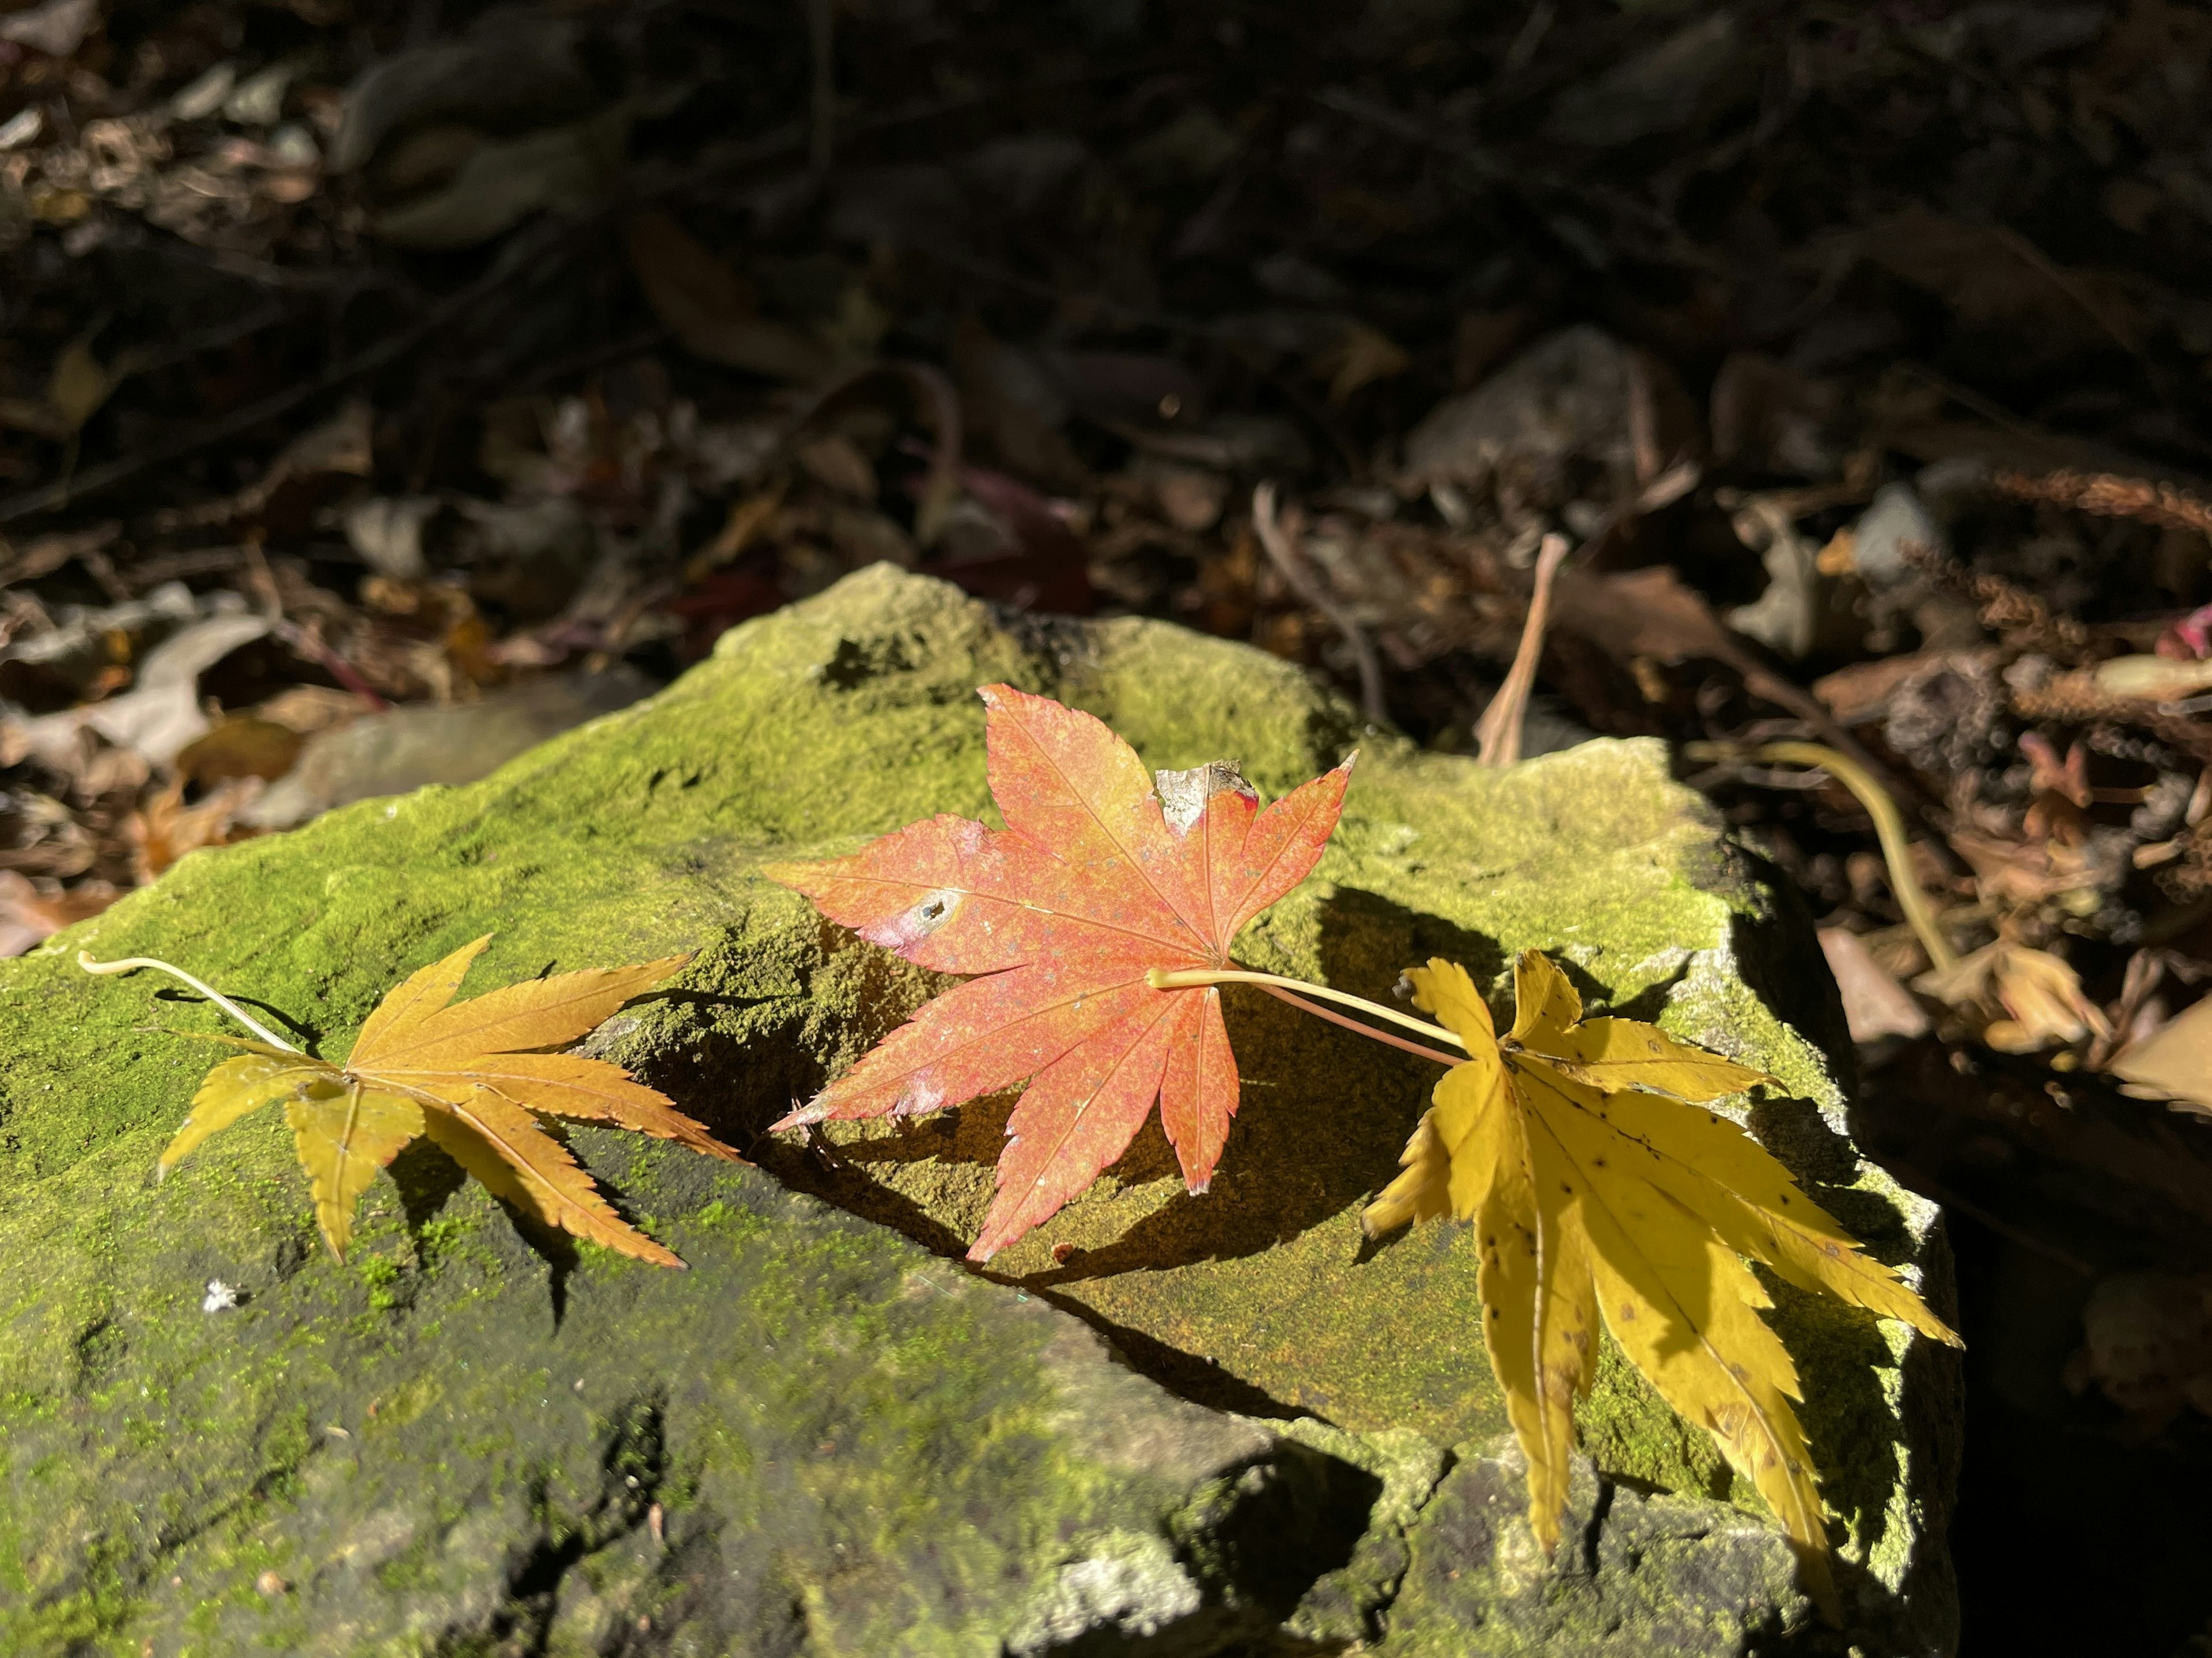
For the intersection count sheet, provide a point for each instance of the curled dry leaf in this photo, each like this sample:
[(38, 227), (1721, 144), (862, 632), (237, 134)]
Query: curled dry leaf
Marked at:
[(1599, 1186), (1874, 1005), (468, 1076), (2173, 1062), (2040, 996), (1095, 881)]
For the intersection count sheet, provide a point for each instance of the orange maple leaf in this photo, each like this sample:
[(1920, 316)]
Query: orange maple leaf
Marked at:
[(1093, 884)]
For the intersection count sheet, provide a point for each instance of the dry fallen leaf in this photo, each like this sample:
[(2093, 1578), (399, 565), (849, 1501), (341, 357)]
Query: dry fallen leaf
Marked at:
[(2173, 1062), (164, 829), (30, 914), (1874, 1005), (711, 310), (464, 1074), (2040, 996), (1592, 1192), (1095, 881)]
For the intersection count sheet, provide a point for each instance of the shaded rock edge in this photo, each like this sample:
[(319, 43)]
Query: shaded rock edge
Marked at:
[(810, 730)]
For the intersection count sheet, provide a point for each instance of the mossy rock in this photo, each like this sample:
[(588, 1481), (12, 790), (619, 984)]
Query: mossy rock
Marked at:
[(157, 1460)]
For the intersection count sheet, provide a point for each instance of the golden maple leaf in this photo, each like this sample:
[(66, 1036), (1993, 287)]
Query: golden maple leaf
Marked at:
[(464, 1074), (1594, 1192)]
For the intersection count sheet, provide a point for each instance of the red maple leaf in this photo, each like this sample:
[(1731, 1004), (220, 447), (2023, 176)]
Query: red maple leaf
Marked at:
[(1092, 886)]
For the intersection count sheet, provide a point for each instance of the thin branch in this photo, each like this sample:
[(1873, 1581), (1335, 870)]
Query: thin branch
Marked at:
[(1291, 564)]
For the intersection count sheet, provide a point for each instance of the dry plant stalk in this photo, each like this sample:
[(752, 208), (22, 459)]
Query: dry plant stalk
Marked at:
[(1500, 733), (2108, 494)]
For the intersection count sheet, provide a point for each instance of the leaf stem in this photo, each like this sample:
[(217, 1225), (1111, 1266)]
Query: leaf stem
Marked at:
[(1294, 991), (1368, 1031), (84, 960)]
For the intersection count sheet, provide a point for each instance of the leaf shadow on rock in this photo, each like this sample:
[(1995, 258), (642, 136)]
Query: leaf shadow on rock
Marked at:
[(306, 1035), (427, 1180), (1325, 1116)]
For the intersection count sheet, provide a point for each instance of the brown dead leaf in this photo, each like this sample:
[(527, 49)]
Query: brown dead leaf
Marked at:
[(2173, 1063), (1993, 277), (1360, 357), (31, 914), (308, 709), (81, 383), (164, 829), (2029, 999), (711, 309), (241, 746), (835, 463)]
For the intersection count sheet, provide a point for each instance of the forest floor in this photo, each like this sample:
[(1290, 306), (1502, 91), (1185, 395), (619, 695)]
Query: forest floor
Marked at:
[(1834, 384)]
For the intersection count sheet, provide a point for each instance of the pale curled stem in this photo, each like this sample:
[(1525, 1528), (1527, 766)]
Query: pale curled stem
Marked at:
[(1294, 991), (84, 960), (1888, 827)]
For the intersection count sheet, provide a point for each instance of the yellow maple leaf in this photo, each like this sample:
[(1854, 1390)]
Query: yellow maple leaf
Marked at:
[(469, 1075), (1600, 1185)]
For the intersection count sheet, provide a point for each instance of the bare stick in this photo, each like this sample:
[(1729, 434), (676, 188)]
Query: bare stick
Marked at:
[(1292, 565)]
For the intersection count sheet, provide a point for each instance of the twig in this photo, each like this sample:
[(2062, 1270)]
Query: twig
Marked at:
[(1287, 990), (1529, 182), (1292, 565), (309, 643), (2067, 283), (1368, 1031), (1498, 735)]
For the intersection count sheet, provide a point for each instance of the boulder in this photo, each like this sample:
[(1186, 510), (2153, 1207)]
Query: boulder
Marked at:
[(828, 1436)]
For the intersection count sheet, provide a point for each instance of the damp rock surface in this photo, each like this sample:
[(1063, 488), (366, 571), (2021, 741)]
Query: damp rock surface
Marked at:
[(828, 1436)]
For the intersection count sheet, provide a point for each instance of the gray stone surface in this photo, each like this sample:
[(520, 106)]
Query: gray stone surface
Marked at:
[(825, 1438)]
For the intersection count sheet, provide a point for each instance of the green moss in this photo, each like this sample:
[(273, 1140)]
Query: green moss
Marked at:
[(642, 834)]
